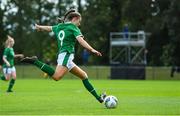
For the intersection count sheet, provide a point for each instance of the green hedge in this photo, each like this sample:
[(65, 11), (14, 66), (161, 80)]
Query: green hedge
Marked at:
[(94, 72), (97, 72)]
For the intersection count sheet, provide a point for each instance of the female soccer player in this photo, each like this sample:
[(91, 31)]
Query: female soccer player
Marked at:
[(8, 65), (67, 33)]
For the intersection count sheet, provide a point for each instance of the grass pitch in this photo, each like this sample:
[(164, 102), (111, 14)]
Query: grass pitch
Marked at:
[(69, 97)]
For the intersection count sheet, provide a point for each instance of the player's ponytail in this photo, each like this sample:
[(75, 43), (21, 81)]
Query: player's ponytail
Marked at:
[(60, 19), (6, 43)]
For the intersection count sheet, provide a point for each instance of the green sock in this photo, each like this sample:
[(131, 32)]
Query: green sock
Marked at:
[(44, 67), (2, 77), (11, 84), (90, 88)]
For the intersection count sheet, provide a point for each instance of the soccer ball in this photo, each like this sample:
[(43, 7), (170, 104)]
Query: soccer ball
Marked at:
[(110, 102)]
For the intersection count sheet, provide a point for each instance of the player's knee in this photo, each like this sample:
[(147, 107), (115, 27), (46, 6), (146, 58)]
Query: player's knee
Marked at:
[(7, 78), (57, 77), (14, 77), (84, 75)]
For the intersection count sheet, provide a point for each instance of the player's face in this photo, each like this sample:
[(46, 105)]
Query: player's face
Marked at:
[(78, 21), (11, 42)]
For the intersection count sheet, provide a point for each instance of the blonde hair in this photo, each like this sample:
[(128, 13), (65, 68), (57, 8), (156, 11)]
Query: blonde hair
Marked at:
[(8, 41)]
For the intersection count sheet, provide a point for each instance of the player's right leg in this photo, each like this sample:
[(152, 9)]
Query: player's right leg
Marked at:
[(59, 72), (61, 68), (62, 65), (44, 67)]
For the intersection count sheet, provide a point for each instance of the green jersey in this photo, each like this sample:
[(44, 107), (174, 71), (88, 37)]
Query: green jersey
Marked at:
[(9, 54), (66, 34)]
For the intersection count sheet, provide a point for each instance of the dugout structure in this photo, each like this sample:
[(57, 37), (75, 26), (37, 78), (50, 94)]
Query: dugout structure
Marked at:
[(128, 55)]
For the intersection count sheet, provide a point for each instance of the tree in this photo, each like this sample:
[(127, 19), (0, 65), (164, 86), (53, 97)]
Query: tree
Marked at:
[(18, 19), (99, 19), (172, 20)]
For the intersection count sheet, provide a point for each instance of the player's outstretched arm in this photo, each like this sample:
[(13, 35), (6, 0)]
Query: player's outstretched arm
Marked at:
[(87, 46), (43, 28), (19, 55)]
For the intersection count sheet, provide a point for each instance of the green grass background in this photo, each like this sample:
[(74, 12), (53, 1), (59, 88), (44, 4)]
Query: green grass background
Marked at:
[(69, 97)]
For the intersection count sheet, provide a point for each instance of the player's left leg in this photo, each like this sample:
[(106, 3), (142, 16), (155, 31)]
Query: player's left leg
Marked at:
[(2, 77), (83, 76), (12, 81), (7, 74)]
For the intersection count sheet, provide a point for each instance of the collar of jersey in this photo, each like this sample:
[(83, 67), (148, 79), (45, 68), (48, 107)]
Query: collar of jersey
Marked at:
[(68, 22)]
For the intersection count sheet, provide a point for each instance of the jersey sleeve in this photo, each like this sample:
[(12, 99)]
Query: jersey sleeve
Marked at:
[(77, 32), (6, 52), (54, 28)]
